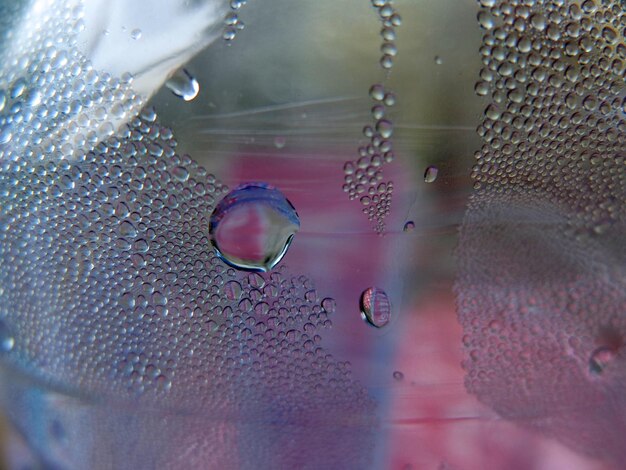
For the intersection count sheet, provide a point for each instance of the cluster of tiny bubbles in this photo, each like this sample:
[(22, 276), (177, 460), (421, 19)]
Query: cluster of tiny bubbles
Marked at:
[(541, 251), (232, 22), (375, 307), (113, 287), (363, 177), (109, 282), (252, 227), (183, 84), (430, 175), (555, 75), (53, 104)]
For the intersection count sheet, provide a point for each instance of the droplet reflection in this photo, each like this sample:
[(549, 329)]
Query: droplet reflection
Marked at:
[(253, 226), (375, 307)]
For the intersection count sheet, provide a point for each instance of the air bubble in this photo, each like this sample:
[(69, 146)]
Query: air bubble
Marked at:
[(253, 227), (375, 307)]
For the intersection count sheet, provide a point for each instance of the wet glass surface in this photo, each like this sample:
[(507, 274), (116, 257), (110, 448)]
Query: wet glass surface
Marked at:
[(452, 172)]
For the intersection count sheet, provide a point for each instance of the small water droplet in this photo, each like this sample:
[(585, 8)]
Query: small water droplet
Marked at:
[(375, 307), (398, 375), (600, 359), (253, 226), (329, 305), (127, 229), (409, 226), (377, 92), (136, 34), (232, 290), (280, 142), (183, 85), (180, 173), (430, 175), (229, 33), (384, 128), (438, 60)]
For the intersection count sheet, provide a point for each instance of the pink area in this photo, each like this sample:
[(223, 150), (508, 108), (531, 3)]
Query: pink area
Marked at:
[(435, 424)]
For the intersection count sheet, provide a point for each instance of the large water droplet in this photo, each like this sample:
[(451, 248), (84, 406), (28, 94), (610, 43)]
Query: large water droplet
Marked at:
[(183, 85), (253, 226), (375, 307)]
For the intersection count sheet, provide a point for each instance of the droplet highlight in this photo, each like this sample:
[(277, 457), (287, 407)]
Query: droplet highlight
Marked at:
[(409, 226), (600, 359)]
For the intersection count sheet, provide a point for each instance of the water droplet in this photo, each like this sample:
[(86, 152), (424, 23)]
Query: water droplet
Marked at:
[(280, 142), (384, 128), (377, 92), (329, 305), (253, 226), (183, 85), (375, 307), (237, 4), (409, 226), (5, 135), (486, 20), (136, 34), (398, 375), (232, 290), (438, 60), (180, 173), (600, 359), (430, 175), (229, 33)]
